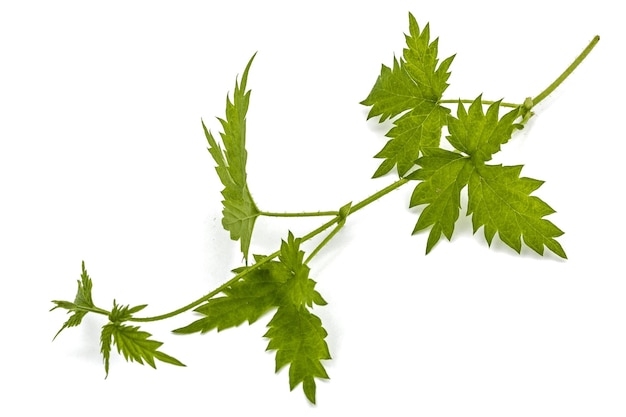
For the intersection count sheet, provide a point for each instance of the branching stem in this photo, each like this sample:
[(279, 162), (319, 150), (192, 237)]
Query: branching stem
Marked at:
[(323, 242), (367, 201), (338, 217)]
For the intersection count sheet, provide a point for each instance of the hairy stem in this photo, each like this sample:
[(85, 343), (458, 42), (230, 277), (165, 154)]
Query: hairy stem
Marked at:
[(323, 242), (94, 309), (302, 214), (567, 72), (531, 102)]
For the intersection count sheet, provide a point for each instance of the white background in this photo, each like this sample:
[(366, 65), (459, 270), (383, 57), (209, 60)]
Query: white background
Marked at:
[(103, 159)]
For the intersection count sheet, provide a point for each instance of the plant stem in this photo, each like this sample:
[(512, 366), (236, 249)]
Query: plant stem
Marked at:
[(545, 93), (337, 216), (94, 309), (323, 243), (302, 214), (363, 203), (567, 72), (209, 295), (358, 206)]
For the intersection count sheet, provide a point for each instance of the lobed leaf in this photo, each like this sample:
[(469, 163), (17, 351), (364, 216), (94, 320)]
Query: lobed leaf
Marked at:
[(422, 60), (295, 333), (133, 344), (299, 289), (246, 300), (106, 337), (240, 211), (500, 201), (265, 287), (124, 313), (82, 302), (297, 336), (478, 134), (413, 86), (418, 129), (444, 174)]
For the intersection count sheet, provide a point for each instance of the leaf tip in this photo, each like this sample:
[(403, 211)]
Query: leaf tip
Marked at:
[(309, 387)]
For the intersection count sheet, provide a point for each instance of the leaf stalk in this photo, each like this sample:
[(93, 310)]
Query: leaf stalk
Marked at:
[(301, 214)]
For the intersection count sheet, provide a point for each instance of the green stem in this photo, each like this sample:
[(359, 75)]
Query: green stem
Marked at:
[(338, 218), (303, 214), (567, 72), (94, 309), (323, 242), (531, 102), (209, 295)]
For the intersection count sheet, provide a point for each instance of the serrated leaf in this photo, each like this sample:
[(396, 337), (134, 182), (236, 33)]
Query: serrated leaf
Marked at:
[(85, 285), (299, 289), (444, 174), (500, 201), (82, 302), (246, 300), (135, 346), (240, 211), (75, 319), (290, 254), (478, 134), (298, 338), (418, 129), (105, 345), (122, 313), (413, 86), (421, 59)]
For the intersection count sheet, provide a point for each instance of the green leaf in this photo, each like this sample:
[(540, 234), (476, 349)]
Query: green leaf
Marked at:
[(265, 287), (299, 289), (478, 134), (500, 201), (413, 86), (298, 338), (240, 211), (124, 313), (290, 254), (131, 342), (83, 302), (443, 174), (83, 296), (134, 345), (295, 333), (245, 300), (105, 345)]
